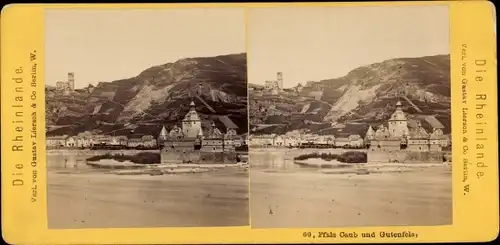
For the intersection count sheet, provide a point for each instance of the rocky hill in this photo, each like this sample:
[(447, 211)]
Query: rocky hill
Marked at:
[(367, 94), (159, 95)]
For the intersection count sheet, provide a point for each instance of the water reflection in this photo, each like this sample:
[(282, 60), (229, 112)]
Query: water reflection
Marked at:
[(271, 160), (282, 159), (67, 162)]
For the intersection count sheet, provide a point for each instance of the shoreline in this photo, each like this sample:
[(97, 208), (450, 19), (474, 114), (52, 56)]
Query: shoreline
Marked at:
[(130, 168), (71, 151), (319, 163), (93, 152), (335, 167)]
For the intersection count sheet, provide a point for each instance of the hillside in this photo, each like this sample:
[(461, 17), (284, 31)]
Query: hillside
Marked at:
[(367, 94), (159, 95)]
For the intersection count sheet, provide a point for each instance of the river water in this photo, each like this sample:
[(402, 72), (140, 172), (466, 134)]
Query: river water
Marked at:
[(285, 195), (82, 197)]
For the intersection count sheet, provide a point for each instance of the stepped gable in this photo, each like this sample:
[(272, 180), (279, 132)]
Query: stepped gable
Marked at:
[(419, 132), (175, 133), (214, 133)]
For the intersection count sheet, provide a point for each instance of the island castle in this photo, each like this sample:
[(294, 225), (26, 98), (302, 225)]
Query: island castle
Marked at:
[(401, 143), (189, 143)]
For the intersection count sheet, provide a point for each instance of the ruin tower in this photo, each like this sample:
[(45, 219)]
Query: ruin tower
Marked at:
[(280, 81), (71, 80), (398, 124)]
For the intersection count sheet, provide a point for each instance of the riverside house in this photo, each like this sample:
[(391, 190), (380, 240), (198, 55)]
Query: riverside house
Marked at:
[(58, 141), (292, 141), (148, 141), (134, 141), (355, 141), (261, 140), (278, 141), (71, 142), (342, 142), (84, 141)]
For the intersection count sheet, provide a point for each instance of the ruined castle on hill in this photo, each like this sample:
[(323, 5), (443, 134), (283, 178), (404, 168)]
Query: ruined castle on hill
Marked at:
[(275, 86), (66, 86)]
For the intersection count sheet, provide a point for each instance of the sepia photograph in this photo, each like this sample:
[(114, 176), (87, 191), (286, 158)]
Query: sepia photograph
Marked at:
[(349, 116), (146, 118)]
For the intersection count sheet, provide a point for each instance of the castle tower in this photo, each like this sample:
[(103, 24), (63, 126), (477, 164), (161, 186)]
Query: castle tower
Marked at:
[(370, 134), (280, 81), (398, 124), (163, 134), (191, 124), (71, 80)]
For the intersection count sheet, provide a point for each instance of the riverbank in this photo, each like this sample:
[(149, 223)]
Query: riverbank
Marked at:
[(72, 152)]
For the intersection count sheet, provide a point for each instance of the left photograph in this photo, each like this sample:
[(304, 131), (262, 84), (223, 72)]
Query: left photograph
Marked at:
[(146, 118)]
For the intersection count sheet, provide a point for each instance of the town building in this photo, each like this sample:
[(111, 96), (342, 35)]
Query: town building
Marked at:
[(71, 142), (278, 141), (355, 141), (122, 140), (56, 141), (84, 141), (148, 141), (292, 141), (260, 140), (134, 142), (342, 141)]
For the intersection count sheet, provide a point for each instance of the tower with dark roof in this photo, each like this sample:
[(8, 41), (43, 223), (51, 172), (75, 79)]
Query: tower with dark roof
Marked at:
[(398, 123), (191, 124)]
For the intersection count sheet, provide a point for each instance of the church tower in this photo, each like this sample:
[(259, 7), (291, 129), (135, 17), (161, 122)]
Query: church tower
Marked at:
[(398, 124), (191, 124)]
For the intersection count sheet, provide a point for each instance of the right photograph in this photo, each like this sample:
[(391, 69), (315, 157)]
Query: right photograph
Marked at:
[(350, 116)]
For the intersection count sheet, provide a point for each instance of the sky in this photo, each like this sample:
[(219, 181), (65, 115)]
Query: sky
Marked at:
[(107, 45), (312, 44)]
